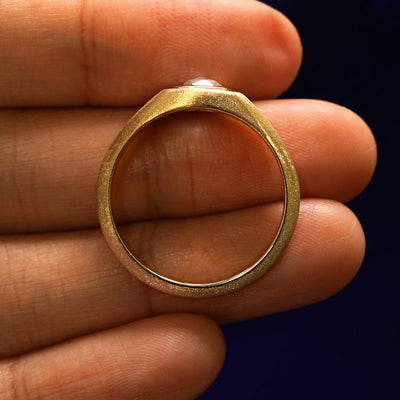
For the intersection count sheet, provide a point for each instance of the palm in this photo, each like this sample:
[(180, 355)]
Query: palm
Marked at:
[(60, 281)]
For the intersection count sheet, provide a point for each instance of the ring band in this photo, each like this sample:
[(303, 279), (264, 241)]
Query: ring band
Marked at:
[(202, 95)]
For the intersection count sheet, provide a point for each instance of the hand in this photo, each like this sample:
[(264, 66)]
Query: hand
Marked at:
[(74, 324)]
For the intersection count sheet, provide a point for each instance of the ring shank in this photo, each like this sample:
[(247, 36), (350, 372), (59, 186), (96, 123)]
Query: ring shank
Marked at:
[(189, 98)]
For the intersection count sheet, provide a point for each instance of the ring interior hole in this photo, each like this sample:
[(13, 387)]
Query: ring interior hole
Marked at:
[(197, 196)]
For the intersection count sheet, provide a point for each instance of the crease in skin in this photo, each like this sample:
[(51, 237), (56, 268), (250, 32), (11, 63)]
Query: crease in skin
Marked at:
[(86, 44)]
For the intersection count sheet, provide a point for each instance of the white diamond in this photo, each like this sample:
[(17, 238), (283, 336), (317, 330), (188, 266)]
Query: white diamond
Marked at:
[(200, 81)]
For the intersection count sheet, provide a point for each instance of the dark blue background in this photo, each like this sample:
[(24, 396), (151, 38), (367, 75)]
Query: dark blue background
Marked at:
[(347, 347)]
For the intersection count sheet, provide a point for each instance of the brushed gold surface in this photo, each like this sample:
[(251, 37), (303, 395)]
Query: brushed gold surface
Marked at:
[(188, 98)]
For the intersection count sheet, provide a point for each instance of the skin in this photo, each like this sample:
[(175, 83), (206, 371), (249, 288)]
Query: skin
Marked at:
[(74, 324)]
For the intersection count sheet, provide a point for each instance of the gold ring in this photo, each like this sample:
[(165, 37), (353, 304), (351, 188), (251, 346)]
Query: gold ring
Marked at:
[(204, 95)]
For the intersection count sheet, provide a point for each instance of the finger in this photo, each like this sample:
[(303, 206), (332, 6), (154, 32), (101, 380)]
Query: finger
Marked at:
[(121, 53), (184, 166), (166, 357), (58, 286)]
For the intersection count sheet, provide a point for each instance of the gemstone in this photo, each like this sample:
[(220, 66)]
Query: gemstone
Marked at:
[(200, 81)]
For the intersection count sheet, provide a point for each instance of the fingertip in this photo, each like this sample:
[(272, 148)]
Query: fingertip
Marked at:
[(354, 135), (323, 256), (200, 342), (332, 147), (287, 54), (339, 235), (364, 148), (273, 54), (183, 356)]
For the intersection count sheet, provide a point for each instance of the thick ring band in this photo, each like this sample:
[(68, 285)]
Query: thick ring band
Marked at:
[(200, 95)]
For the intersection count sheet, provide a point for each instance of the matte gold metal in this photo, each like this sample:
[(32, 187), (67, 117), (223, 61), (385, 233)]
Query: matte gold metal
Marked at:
[(203, 98)]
